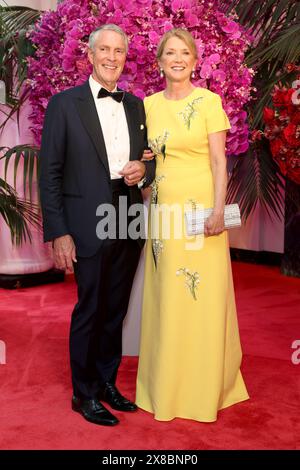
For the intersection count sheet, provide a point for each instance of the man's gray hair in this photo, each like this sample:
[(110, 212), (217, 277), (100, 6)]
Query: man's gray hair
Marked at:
[(107, 27)]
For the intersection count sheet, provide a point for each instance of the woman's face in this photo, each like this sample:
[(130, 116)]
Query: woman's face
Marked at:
[(177, 60)]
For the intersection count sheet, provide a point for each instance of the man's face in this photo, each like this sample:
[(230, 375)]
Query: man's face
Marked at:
[(108, 58)]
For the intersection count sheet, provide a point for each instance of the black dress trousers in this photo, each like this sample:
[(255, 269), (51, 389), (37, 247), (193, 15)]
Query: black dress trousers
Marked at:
[(104, 284)]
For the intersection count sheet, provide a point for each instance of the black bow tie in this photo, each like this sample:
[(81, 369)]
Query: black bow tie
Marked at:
[(116, 95)]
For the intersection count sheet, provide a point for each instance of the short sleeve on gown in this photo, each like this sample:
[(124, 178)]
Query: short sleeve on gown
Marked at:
[(216, 118)]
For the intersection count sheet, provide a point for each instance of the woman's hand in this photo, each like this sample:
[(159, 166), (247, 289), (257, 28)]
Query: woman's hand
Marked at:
[(147, 155), (214, 224)]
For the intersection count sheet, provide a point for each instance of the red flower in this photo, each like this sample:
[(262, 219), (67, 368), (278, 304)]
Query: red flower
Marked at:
[(284, 116), (282, 129), (293, 170), (289, 96), (269, 115), (291, 135), (277, 147), (282, 96), (290, 67), (256, 135), (295, 118)]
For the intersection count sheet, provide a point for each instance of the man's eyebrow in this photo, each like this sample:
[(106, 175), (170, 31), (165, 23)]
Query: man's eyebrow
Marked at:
[(109, 47)]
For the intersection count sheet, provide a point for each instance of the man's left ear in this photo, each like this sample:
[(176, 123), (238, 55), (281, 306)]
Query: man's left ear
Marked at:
[(90, 56)]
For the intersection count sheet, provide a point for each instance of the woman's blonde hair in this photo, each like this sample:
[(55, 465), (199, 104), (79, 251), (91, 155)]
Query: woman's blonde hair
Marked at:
[(182, 34)]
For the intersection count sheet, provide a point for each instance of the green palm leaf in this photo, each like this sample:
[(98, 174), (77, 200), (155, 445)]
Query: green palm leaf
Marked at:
[(15, 47), (17, 214), (264, 18), (284, 48), (275, 26), (28, 154), (255, 179), (18, 17), (265, 84)]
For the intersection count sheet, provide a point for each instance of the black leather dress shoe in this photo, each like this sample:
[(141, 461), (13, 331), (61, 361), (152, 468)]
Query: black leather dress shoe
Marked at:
[(94, 412), (113, 397)]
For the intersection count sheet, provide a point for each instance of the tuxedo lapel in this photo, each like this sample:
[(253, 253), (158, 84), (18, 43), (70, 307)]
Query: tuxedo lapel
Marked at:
[(89, 117), (131, 112)]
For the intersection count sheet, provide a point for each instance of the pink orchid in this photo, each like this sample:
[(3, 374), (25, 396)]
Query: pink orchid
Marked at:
[(190, 18), (180, 4), (61, 39), (206, 70), (219, 75), (154, 37), (213, 59)]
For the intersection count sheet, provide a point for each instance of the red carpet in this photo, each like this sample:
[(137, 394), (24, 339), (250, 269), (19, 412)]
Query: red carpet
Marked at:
[(35, 385)]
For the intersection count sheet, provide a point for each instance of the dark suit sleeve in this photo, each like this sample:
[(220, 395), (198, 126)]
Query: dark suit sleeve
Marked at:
[(151, 164), (51, 170)]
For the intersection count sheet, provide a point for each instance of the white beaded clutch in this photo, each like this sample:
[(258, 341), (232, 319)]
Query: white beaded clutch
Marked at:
[(195, 218)]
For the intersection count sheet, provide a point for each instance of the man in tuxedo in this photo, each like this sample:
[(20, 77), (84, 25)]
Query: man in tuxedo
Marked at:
[(93, 141)]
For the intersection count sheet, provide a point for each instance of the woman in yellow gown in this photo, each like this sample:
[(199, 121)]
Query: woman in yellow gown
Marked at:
[(190, 351)]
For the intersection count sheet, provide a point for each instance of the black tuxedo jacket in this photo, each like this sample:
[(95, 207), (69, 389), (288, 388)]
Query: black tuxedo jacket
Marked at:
[(74, 169)]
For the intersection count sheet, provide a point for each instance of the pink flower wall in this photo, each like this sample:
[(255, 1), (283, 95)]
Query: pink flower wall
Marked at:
[(61, 40)]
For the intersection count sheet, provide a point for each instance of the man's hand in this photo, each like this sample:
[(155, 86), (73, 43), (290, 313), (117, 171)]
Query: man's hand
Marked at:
[(133, 172), (64, 252)]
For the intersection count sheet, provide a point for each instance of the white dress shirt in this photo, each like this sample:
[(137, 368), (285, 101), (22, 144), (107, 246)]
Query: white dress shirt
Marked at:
[(114, 126)]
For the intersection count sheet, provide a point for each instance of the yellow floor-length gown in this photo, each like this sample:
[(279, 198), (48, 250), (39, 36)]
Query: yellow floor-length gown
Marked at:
[(190, 353)]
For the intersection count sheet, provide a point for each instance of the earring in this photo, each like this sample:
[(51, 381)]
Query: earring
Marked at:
[(161, 73), (193, 74)]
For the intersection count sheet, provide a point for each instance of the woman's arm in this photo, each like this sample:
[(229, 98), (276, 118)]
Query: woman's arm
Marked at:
[(215, 223)]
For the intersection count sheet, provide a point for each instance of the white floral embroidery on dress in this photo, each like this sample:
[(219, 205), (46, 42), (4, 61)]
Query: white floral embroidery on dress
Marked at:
[(154, 187), (158, 144), (157, 248), (190, 112), (191, 280), (157, 245)]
